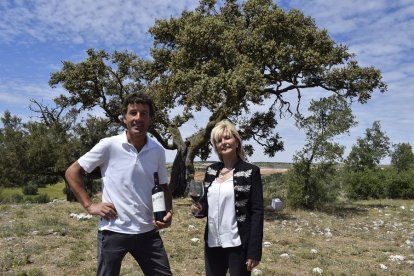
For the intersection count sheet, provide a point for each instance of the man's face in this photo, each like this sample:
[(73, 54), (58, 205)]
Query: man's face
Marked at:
[(137, 119)]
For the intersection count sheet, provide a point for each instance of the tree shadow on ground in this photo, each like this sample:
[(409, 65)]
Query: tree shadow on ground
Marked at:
[(271, 214), (340, 210), (347, 209)]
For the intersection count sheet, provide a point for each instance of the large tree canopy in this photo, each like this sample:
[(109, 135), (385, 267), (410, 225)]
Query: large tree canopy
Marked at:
[(225, 60)]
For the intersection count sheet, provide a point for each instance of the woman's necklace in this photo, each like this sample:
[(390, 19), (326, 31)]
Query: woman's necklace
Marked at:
[(224, 173)]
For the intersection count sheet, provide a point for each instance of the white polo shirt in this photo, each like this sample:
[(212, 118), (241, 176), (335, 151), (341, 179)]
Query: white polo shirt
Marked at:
[(128, 179)]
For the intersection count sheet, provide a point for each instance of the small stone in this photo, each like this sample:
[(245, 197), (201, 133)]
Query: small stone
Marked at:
[(267, 244), (195, 240), (397, 258), (285, 255), (256, 272), (317, 270)]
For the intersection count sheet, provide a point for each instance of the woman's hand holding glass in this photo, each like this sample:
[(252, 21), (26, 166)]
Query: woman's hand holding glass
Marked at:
[(196, 192)]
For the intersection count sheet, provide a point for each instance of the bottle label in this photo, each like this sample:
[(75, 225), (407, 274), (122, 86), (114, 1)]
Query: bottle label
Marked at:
[(158, 202)]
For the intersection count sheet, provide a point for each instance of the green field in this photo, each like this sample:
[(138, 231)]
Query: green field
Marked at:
[(54, 191)]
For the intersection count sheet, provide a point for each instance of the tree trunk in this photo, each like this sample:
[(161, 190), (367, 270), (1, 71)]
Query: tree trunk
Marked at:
[(180, 172)]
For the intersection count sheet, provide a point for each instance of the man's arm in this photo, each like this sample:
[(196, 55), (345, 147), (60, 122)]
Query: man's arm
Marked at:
[(74, 177)]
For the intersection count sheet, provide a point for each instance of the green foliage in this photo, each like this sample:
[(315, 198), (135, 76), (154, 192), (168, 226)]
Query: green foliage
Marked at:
[(378, 184), (40, 152), (30, 188), (367, 184), (400, 184), (41, 198), (402, 158), (369, 150), (12, 151), (274, 186), (311, 186)]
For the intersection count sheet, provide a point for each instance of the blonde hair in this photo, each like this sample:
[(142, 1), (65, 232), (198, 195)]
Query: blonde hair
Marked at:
[(219, 129)]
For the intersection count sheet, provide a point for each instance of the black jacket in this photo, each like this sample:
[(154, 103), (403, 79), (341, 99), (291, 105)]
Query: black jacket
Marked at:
[(248, 194)]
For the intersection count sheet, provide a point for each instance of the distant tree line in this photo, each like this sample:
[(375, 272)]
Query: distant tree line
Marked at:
[(320, 173)]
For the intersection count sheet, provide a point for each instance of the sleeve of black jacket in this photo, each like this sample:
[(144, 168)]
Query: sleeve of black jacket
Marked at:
[(254, 249)]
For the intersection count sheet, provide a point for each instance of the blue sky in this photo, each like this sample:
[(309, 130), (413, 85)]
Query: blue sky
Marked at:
[(37, 35)]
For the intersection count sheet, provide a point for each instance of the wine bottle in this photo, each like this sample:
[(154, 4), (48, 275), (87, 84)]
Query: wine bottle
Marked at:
[(158, 201)]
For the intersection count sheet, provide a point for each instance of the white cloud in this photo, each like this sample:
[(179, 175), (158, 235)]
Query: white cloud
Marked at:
[(111, 22)]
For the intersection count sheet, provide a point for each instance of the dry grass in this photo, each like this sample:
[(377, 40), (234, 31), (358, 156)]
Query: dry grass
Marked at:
[(344, 239)]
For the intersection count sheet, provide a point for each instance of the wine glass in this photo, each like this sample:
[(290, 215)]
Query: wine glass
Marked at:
[(196, 191)]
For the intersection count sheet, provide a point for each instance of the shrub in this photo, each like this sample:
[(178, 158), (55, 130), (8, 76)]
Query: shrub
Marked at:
[(42, 198), (274, 186), (401, 185), (370, 183), (16, 198), (30, 188), (311, 188)]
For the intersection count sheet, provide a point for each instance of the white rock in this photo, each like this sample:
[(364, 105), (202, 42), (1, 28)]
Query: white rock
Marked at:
[(328, 234), (411, 263), (402, 207), (317, 270), (379, 222), (256, 272), (267, 244), (81, 216), (397, 258), (383, 267), (285, 255), (195, 240), (191, 227), (314, 251)]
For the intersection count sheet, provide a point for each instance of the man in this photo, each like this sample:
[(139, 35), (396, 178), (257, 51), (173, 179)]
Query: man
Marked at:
[(127, 163)]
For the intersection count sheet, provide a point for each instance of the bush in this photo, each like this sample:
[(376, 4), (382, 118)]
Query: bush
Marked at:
[(365, 184), (42, 198), (311, 188), (274, 186), (401, 185), (30, 189)]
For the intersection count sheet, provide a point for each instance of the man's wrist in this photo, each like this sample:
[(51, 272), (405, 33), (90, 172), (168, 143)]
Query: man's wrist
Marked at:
[(88, 205)]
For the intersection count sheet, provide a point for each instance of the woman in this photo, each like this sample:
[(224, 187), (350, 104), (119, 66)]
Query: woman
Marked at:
[(233, 205)]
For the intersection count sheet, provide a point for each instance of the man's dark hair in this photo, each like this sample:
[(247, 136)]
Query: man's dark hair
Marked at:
[(138, 98)]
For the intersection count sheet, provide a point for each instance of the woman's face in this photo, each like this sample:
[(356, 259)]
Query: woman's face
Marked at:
[(227, 144)]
